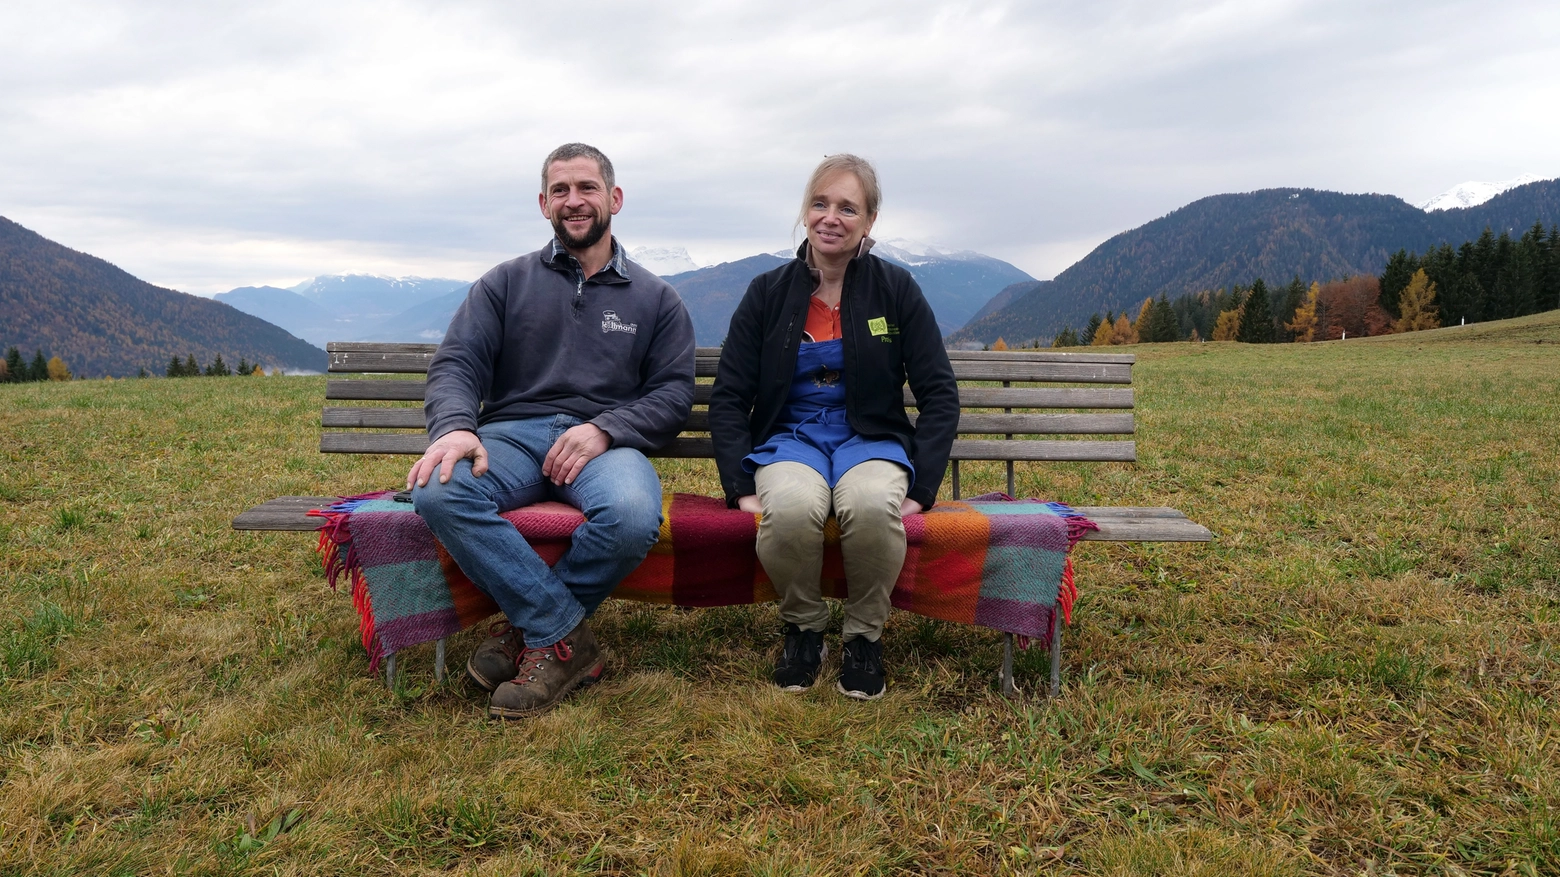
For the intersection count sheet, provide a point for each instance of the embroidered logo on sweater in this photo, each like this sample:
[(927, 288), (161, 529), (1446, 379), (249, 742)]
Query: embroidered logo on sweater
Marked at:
[(611, 323)]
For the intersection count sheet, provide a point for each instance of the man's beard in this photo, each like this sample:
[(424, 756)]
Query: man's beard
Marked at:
[(598, 228)]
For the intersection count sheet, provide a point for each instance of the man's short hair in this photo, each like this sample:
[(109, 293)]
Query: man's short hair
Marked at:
[(570, 151)]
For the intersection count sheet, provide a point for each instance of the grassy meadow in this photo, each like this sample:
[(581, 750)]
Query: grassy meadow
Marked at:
[(1360, 676)]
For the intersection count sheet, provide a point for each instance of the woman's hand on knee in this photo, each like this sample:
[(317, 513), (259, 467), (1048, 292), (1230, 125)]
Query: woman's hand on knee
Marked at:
[(909, 507), (750, 504), (443, 454)]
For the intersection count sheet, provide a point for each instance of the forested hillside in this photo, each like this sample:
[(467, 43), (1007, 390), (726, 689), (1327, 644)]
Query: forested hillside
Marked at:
[(101, 321), (1228, 240)]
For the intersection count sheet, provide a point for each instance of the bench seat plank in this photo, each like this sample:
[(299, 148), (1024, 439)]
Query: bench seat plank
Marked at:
[(284, 513), (290, 513), (703, 448)]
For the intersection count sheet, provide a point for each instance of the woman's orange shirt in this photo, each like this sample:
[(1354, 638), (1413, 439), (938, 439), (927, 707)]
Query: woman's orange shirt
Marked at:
[(823, 322)]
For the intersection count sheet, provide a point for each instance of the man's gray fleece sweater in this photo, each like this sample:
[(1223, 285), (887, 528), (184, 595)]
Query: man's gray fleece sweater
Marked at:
[(534, 337)]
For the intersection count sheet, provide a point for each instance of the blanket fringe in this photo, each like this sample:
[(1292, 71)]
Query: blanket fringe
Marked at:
[(339, 558)]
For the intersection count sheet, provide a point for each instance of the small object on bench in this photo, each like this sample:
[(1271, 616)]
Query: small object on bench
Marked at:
[(1091, 410)]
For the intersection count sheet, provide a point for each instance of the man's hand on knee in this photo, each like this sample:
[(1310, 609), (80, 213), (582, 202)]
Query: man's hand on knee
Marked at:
[(443, 454), (573, 450)]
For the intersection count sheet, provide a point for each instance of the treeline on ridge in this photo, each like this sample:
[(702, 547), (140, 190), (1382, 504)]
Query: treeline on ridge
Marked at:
[(1490, 278)]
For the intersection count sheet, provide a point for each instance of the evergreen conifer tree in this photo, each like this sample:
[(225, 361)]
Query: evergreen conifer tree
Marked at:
[(1400, 268), (141, 373), (244, 368), (218, 368), (1065, 338), (1166, 326), (39, 369), (175, 368), (1090, 329), (14, 368), (1293, 297), (191, 367), (1256, 324)]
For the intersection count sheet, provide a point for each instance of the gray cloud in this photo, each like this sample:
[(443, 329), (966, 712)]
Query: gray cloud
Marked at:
[(204, 147)]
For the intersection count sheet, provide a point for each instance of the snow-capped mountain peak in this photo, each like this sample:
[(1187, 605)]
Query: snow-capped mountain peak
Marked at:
[(664, 261), (1472, 192), (917, 253)]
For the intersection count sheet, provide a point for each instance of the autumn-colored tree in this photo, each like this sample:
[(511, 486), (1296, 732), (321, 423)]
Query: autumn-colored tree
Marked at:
[(258, 372), (999, 344), (1228, 325), (1351, 306), (1303, 326), (56, 370), (1417, 305), (1140, 326), (1103, 335), (1122, 332), (1196, 337)]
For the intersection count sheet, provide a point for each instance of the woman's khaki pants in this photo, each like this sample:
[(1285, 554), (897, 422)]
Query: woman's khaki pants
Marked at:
[(796, 502)]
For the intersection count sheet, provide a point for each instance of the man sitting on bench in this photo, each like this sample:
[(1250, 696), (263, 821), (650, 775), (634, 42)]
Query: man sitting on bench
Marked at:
[(557, 372)]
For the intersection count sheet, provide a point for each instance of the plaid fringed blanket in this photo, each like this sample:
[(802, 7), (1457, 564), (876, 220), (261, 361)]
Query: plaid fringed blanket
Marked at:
[(990, 561)]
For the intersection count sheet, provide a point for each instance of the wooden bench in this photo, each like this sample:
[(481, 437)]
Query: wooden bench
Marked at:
[(1062, 394)]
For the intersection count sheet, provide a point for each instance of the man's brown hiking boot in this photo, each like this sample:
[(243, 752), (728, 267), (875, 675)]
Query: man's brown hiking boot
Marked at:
[(547, 675), (493, 663)]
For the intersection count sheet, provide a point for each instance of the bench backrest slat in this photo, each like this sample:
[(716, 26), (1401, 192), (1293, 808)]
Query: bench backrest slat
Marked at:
[(1042, 410), (356, 417), (373, 390)]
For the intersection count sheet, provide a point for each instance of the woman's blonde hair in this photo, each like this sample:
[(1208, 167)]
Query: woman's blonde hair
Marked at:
[(842, 162)]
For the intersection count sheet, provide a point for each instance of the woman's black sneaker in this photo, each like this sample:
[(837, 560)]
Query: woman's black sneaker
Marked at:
[(803, 654), (861, 669)]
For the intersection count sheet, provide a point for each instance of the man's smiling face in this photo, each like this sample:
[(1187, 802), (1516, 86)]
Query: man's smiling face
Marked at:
[(578, 203)]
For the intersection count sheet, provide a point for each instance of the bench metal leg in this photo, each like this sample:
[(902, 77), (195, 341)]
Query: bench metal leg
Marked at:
[(438, 661), (1056, 651), (1005, 682), (390, 671)]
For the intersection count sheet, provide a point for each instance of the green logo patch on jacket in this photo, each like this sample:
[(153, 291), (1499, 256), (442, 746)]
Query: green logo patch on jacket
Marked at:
[(882, 328)]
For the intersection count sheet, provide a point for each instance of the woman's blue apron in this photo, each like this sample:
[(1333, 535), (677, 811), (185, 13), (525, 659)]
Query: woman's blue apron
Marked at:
[(813, 429)]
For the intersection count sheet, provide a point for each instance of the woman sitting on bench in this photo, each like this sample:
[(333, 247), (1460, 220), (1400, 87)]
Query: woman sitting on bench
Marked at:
[(807, 418)]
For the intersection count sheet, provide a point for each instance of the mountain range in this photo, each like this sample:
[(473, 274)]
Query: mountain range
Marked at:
[(101, 321), (1275, 234), (361, 307)]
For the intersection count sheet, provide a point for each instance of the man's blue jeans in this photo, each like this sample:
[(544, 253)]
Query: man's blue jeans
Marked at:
[(618, 492)]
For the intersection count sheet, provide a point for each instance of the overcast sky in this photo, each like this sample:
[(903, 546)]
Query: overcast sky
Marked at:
[(204, 145)]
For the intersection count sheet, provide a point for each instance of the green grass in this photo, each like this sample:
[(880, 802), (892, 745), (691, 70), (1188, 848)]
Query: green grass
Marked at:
[(1358, 676)]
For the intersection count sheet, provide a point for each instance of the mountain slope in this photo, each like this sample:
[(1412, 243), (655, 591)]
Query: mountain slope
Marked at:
[(1225, 240), (711, 294), (102, 321), (285, 308), (956, 284)]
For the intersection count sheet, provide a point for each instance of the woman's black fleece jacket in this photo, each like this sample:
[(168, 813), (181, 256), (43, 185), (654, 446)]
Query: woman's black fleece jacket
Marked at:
[(889, 336)]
